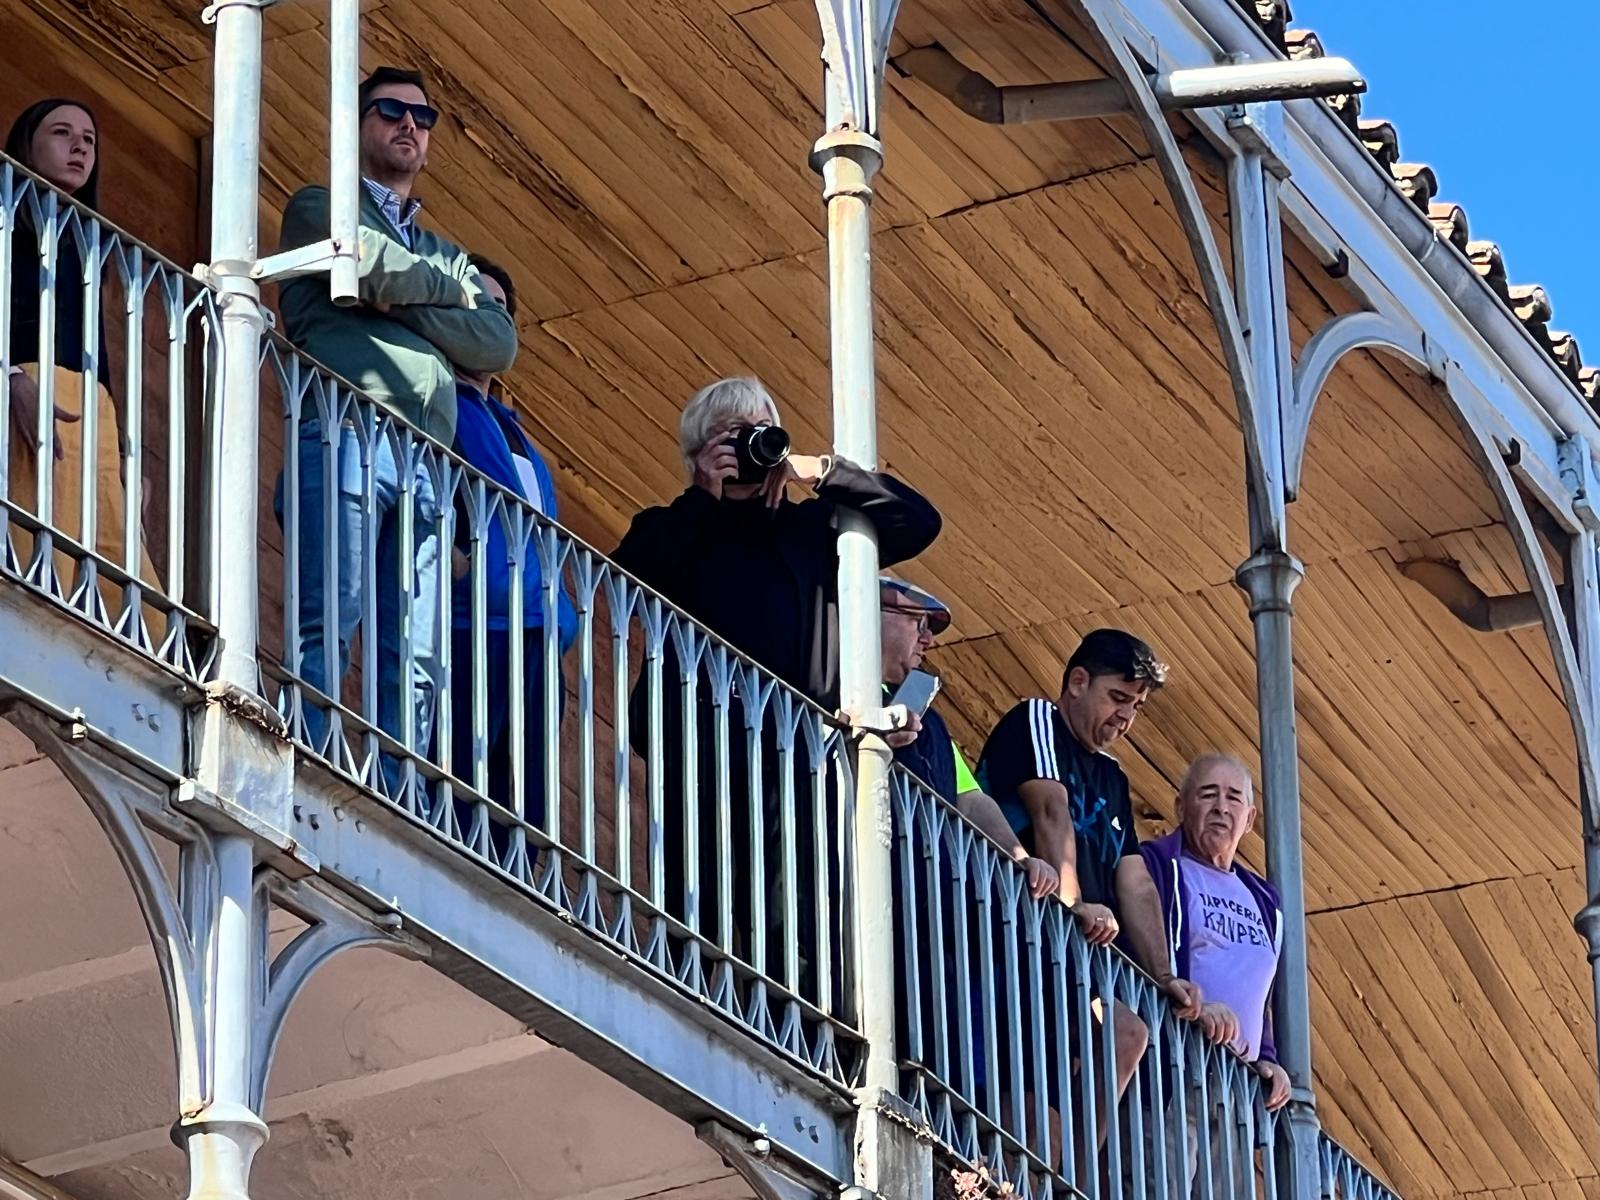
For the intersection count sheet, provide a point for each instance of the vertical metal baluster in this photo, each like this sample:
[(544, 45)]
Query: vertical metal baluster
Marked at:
[(133, 437), (1162, 1106), (958, 840), (407, 451), (655, 635), (291, 386), (824, 841), (789, 845), (1033, 1030), (552, 561), (926, 854), (619, 606), (177, 418), (724, 669), (331, 406), (689, 647), (983, 880), (1205, 1174), (44, 428), (1058, 927), (1007, 882), (905, 803), (1134, 991), (585, 580), (86, 235), (10, 207), (752, 796), (520, 533), (1089, 1069), (483, 511), (376, 433), (1104, 969)]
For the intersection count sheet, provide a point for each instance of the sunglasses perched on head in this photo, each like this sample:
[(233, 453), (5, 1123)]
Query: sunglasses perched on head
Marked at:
[(394, 111)]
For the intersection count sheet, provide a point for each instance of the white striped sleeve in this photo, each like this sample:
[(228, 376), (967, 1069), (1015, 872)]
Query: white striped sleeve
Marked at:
[(1042, 726)]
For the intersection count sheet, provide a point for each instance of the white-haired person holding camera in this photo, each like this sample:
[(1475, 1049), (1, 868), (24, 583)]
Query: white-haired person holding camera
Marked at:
[(761, 571)]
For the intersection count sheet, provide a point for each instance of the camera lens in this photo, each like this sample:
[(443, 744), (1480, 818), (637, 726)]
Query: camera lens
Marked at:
[(769, 445)]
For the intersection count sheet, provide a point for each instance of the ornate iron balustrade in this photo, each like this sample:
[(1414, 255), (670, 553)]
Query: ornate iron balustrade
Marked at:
[(107, 531), (686, 805), (694, 808), (1001, 1046)]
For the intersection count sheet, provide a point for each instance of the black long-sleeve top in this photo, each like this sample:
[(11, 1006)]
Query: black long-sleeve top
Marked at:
[(25, 304), (767, 580)]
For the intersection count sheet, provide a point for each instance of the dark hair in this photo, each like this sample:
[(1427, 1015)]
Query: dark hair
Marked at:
[(385, 75), (1116, 652), (19, 142), (500, 275)]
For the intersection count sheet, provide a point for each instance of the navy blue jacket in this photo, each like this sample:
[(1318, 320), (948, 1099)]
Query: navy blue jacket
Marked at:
[(487, 433)]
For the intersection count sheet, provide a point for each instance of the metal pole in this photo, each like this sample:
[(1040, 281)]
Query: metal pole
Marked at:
[(1269, 577), (344, 148), (848, 163), (855, 36), (236, 171), (223, 1137)]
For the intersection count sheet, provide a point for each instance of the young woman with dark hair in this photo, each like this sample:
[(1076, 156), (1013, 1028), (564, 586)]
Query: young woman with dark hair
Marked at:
[(58, 140)]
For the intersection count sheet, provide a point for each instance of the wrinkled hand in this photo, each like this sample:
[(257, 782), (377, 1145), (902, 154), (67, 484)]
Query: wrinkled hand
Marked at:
[(904, 737), (1042, 877), (1097, 923), (804, 469), (715, 464), (25, 415), (1187, 1002), (1277, 1084), (1219, 1023), (460, 564)]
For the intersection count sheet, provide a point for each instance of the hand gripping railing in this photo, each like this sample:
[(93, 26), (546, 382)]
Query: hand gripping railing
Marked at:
[(105, 353), (621, 763)]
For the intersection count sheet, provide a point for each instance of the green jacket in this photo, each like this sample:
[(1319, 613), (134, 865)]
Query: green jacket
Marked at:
[(405, 358)]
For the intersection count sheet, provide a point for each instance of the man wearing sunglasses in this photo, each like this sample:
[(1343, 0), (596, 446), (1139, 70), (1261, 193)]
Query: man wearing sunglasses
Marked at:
[(419, 319)]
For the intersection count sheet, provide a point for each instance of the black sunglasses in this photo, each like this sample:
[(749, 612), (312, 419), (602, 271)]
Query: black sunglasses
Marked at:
[(394, 111)]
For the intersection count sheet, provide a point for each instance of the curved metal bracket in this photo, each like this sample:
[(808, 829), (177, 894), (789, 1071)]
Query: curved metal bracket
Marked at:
[(1262, 461), (331, 927), (1570, 666), (1353, 331), (196, 928)]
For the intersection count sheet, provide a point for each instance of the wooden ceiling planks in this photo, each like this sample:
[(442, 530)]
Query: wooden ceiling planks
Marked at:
[(1049, 374), (1463, 1056)]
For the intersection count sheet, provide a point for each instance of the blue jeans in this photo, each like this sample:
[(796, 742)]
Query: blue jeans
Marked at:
[(396, 628)]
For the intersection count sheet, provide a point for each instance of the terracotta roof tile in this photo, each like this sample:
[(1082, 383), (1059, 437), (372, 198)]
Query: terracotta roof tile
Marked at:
[(1420, 185), (1417, 183), (1487, 262), (1451, 222), (1382, 141)]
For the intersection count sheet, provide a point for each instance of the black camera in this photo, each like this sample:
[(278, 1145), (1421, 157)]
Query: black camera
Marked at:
[(758, 448)]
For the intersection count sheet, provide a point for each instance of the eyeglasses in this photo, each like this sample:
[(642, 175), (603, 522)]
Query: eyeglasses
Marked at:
[(394, 111), (924, 620)]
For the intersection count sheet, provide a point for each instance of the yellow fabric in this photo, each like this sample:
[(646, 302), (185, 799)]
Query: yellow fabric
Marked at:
[(966, 781), (66, 490)]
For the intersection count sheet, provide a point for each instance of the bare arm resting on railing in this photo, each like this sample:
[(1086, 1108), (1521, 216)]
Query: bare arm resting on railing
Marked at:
[(980, 808), (1141, 918)]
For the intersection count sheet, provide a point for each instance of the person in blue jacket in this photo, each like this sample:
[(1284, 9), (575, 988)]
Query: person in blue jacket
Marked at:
[(491, 439)]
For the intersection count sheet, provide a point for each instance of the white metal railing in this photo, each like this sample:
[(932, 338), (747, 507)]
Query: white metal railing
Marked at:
[(96, 465), (659, 789), (674, 798), (1001, 1043)]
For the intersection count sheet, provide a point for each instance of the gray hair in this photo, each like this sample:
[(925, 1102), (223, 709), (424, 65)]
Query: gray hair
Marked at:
[(736, 398), (1215, 758)]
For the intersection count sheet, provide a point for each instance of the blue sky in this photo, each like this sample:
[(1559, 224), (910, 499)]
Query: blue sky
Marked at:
[(1498, 97)]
